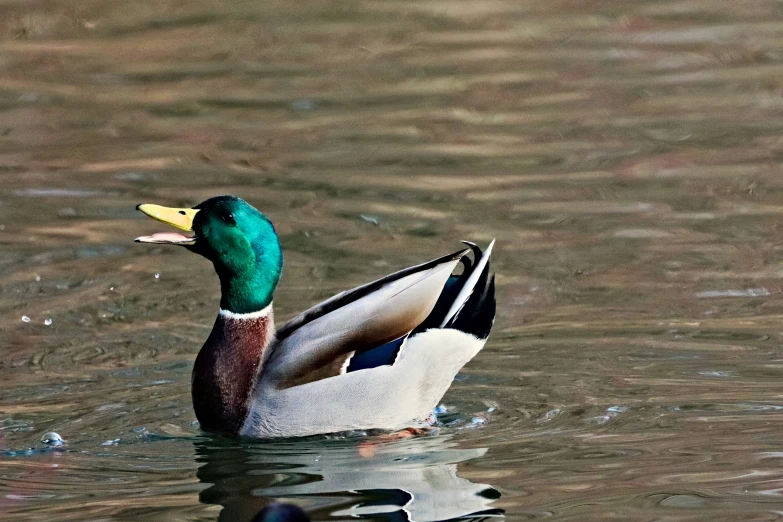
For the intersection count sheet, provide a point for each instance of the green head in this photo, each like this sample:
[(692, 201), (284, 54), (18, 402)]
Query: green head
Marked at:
[(239, 240)]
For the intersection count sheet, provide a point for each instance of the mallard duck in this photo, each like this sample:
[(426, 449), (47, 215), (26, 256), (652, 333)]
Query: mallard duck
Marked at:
[(379, 356)]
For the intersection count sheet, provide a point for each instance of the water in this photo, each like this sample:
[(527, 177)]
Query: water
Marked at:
[(626, 156)]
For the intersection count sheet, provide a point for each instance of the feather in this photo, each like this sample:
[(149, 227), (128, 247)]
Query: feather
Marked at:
[(382, 355), (391, 310), (347, 297), (467, 289)]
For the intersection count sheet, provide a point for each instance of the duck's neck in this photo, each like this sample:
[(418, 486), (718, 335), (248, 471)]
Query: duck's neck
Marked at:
[(249, 275), (227, 366)]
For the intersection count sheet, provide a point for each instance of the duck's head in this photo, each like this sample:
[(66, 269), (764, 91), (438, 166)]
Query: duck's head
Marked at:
[(239, 240)]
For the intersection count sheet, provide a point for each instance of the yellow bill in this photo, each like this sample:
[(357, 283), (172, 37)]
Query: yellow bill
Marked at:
[(181, 218)]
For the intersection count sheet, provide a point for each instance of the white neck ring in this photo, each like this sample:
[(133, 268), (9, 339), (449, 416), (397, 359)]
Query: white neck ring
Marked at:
[(264, 312)]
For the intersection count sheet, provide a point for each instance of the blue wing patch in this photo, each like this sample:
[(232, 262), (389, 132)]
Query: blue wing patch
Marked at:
[(383, 355)]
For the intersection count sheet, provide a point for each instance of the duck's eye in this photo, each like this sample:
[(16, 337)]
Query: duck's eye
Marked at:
[(229, 218)]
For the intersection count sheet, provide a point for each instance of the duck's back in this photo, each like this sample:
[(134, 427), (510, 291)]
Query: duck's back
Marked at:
[(380, 356)]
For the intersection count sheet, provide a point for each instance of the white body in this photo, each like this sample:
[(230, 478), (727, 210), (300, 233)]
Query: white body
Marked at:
[(426, 365)]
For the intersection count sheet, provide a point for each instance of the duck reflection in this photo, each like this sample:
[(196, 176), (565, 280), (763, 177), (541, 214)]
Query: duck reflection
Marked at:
[(413, 479)]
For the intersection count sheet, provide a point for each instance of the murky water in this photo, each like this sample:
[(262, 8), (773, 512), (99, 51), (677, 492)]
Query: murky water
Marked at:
[(627, 156)]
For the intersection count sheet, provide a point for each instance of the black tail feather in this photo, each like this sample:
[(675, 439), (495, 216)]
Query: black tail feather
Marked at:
[(478, 314)]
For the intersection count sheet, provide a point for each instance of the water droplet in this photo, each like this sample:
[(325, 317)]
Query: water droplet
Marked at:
[(52, 439), (111, 289), (37, 278), (25, 319), (370, 219), (48, 321), (157, 276)]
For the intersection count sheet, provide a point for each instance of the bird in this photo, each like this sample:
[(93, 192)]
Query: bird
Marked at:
[(376, 357)]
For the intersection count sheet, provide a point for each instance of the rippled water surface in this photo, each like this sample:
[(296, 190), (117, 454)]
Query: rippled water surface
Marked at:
[(626, 155)]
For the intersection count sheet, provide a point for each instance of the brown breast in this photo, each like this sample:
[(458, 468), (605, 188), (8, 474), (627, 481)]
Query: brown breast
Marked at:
[(226, 369)]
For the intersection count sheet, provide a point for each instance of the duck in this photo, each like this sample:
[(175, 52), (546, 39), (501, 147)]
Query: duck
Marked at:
[(376, 357)]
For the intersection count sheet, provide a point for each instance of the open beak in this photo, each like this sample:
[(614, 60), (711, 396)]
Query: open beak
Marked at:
[(181, 218)]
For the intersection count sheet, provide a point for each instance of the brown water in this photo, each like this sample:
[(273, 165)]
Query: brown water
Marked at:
[(627, 156)]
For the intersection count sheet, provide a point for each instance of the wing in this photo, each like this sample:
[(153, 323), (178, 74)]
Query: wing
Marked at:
[(471, 293), (320, 342), (344, 298)]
